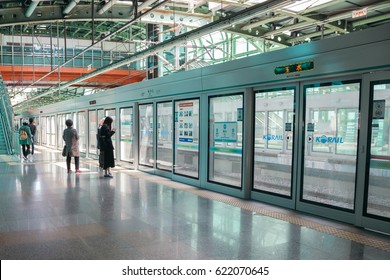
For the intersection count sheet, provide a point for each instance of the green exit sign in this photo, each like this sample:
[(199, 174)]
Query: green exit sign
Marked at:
[(293, 68)]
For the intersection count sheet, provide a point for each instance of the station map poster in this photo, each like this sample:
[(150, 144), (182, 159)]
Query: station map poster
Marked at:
[(186, 122), (225, 132)]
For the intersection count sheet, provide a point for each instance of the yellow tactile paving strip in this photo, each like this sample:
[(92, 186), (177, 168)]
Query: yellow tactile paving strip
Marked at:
[(244, 204)]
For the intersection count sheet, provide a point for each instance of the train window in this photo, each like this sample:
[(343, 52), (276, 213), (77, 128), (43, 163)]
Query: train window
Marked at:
[(225, 139), (164, 135), (274, 138), (187, 138), (331, 127)]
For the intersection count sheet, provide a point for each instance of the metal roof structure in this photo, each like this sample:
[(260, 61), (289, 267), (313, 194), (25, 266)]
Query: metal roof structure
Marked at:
[(54, 50)]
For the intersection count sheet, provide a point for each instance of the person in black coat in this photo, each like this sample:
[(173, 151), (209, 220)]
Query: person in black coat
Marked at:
[(106, 131)]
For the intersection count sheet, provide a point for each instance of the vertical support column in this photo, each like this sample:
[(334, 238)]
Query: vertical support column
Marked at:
[(203, 140), (65, 47), (362, 170), (136, 135), (51, 46), (247, 142), (152, 31)]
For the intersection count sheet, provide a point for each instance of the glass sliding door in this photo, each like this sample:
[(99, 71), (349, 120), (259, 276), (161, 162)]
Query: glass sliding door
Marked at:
[(52, 130), (164, 136), (112, 113), (92, 135), (146, 143), (81, 129), (126, 134), (378, 193), (274, 137), (225, 139), (330, 152), (187, 138)]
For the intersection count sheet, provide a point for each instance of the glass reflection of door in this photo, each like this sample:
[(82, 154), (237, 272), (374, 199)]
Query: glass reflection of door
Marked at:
[(378, 196), (146, 135), (274, 135), (330, 153), (126, 134), (164, 136), (225, 139)]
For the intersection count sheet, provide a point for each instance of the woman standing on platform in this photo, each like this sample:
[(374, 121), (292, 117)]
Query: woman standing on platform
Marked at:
[(106, 131), (71, 138)]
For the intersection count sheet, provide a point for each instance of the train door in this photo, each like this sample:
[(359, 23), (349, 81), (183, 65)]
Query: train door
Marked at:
[(146, 137), (327, 178), (375, 163)]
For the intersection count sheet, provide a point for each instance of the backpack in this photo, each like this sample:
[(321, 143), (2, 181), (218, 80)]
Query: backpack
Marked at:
[(22, 134)]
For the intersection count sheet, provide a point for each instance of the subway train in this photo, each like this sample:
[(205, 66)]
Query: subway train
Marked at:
[(305, 128)]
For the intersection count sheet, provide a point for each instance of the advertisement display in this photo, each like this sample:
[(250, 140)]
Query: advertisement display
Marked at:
[(185, 118)]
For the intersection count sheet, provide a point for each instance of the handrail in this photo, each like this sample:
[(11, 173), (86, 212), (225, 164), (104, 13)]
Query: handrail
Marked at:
[(380, 157), (6, 136), (7, 122)]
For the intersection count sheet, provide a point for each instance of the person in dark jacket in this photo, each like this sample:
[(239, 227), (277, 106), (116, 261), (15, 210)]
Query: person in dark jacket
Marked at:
[(71, 138), (33, 129), (25, 138), (106, 131)]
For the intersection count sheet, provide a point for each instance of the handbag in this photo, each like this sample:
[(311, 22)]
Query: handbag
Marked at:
[(64, 151)]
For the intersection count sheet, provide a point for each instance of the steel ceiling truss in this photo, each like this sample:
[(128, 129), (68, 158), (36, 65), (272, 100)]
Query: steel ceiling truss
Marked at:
[(276, 25)]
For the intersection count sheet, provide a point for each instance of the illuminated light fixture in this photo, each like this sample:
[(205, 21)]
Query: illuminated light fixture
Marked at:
[(293, 68), (272, 36), (279, 38)]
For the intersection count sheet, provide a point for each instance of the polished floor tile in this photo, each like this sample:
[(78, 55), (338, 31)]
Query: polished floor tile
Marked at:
[(46, 213)]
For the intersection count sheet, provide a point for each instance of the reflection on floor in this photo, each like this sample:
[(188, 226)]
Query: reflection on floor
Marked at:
[(47, 214)]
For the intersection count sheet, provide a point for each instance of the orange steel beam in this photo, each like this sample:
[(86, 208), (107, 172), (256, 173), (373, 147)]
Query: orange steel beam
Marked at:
[(17, 75)]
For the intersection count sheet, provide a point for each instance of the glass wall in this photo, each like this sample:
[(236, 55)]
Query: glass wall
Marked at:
[(378, 197), (274, 137), (92, 132), (331, 130), (52, 130), (61, 127), (82, 128), (44, 130), (225, 139), (126, 134), (164, 136), (187, 138), (146, 135), (112, 113)]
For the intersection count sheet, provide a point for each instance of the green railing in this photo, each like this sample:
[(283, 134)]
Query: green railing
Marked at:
[(6, 117)]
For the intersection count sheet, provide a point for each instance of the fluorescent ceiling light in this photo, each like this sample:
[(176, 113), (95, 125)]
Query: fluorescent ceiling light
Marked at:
[(303, 5)]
